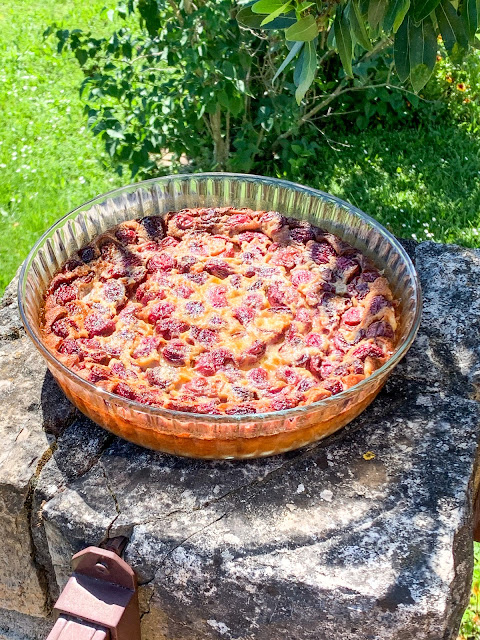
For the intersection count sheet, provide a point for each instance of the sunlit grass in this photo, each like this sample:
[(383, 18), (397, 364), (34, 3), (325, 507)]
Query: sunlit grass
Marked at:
[(49, 162), (421, 183), (470, 629)]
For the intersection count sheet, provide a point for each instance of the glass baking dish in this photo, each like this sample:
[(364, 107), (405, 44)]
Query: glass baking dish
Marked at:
[(218, 436)]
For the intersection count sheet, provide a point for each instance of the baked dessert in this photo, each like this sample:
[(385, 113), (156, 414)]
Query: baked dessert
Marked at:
[(220, 311)]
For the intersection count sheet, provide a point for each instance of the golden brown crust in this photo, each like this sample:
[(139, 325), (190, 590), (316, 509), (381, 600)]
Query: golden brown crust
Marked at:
[(220, 311)]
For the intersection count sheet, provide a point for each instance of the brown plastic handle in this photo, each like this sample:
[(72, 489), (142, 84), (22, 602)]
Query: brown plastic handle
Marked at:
[(100, 600), (67, 629)]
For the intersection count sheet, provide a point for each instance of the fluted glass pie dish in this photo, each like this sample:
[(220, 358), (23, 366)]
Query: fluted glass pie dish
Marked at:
[(218, 436)]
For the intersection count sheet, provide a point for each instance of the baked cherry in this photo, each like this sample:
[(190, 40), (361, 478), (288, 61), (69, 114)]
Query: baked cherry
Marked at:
[(352, 316), (258, 377), (239, 220), (244, 314), (114, 291), (98, 373), (381, 328), (204, 336), (287, 257), (184, 291), (322, 252), (347, 267), (240, 409), (301, 276), (218, 268), (123, 390), (377, 303), (61, 328), (147, 346), (175, 352), (66, 293), (282, 404), (314, 365), (253, 353), (155, 377), (168, 241), (87, 254), (302, 234), (98, 324), (145, 294), (195, 308), (370, 276), (161, 261), (70, 347), (153, 225), (184, 221), (217, 296), (126, 235), (368, 350), (334, 386), (159, 311)]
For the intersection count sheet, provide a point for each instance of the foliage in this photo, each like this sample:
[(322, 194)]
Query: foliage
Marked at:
[(351, 26), (191, 84), (457, 86), (185, 81)]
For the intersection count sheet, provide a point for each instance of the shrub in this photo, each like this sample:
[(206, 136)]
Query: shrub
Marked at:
[(187, 82), (206, 82)]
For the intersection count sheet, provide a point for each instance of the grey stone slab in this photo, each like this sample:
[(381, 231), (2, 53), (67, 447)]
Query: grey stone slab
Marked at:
[(446, 354), (298, 543), (27, 427), (367, 535)]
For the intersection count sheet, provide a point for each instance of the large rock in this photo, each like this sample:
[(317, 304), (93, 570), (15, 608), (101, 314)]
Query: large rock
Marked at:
[(365, 535), (27, 426)]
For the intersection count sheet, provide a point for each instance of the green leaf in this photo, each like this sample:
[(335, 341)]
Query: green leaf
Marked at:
[(422, 51), (396, 12), (308, 66), (236, 106), (376, 11), (344, 41), (112, 133), (304, 30), (270, 18), (331, 44), (469, 15), (252, 20), (357, 25), (305, 5), (401, 51), (82, 56), (451, 26), (423, 8), (293, 52), (267, 6)]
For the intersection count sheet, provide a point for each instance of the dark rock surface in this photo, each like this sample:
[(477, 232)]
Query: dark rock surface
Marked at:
[(366, 535)]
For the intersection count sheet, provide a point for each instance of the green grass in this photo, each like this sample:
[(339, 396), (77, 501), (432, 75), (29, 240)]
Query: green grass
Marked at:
[(470, 629), (421, 183), (49, 162)]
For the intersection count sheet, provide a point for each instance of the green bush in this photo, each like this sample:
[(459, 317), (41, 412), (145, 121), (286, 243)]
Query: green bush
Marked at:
[(187, 82), (184, 83), (194, 83)]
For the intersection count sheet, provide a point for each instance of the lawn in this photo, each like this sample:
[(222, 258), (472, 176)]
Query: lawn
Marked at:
[(49, 162), (422, 183)]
